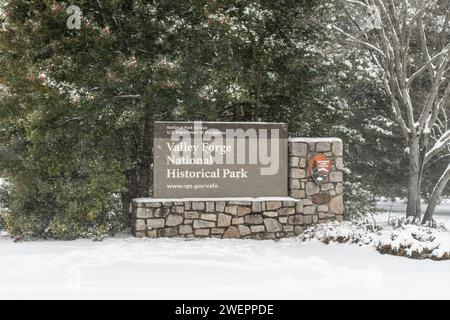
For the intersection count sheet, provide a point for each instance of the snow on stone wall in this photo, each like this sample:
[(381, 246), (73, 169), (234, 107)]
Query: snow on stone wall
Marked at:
[(256, 218)]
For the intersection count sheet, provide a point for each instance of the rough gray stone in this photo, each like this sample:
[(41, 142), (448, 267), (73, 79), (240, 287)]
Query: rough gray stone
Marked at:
[(297, 194), (253, 219), (297, 219), (312, 188), (220, 206), (202, 232), (144, 213), (242, 211), (309, 210), (307, 219), (191, 214), (231, 210), (337, 205), (273, 205), (232, 232), (298, 230), (210, 206), (299, 207), (209, 216), (217, 231), (152, 234), (326, 186), (140, 225), (155, 223), (289, 203), (294, 162), (237, 220), (294, 184), (323, 146), (223, 220), (270, 214), (339, 188), (286, 211), (200, 224), (161, 212), (297, 173), (185, 229), (196, 205), (298, 149), (256, 206), (302, 163), (174, 220), (337, 148), (243, 230), (168, 232), (339, 163), (177, 209), (336, 176), (256, 229), (272, 225)]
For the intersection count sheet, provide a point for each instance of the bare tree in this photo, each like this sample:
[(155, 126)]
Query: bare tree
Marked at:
[(403, 27)]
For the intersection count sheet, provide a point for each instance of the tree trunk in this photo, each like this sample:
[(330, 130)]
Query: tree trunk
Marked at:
[(413, 207), (422, 153), (129, 194), (436, 195), (144, 167), (257, 113)]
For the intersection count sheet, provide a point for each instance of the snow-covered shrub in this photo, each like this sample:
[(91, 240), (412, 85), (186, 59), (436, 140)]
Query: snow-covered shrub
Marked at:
[(410, 239), (399, 237), (361, 232)]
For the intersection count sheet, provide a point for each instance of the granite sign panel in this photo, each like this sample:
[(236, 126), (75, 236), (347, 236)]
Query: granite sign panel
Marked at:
[(220, 159)]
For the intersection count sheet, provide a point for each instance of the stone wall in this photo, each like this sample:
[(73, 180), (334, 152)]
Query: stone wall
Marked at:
[(256, 218)]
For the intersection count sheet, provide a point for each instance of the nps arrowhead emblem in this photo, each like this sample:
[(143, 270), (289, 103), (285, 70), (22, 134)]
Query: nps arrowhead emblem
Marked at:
[(319, 168)]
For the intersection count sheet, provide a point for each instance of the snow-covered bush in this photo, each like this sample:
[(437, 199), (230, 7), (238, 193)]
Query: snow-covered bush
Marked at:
[(399, 237), (408, 238), (361, 232)]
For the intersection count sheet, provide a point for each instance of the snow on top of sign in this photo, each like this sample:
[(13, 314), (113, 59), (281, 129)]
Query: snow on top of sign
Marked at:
[(222, 122), (319, 139), (215, 199)]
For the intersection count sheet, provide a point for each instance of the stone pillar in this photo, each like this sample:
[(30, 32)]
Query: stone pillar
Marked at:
[(321, 201)]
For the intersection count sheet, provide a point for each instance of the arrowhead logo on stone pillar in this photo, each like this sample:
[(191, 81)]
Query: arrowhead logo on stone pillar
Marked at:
[(319, 168)]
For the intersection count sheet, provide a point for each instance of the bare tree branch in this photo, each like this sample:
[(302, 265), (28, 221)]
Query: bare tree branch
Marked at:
[(415, 74), (368, 45)]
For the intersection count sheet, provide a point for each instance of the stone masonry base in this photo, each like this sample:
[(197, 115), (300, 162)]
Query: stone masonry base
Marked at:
[(238, 218)]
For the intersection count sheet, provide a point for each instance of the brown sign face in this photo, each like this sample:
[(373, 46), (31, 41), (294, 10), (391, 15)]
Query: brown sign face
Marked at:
[(319, 168), (220, 159)]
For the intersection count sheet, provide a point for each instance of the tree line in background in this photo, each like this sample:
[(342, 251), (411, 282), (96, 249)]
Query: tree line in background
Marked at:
[(77, 106)]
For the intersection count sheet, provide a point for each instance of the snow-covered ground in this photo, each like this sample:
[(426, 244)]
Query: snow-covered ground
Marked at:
[(125, 267)]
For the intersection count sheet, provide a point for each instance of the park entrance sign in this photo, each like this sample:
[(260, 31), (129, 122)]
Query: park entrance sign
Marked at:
[(220, 159), (239, 180)]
